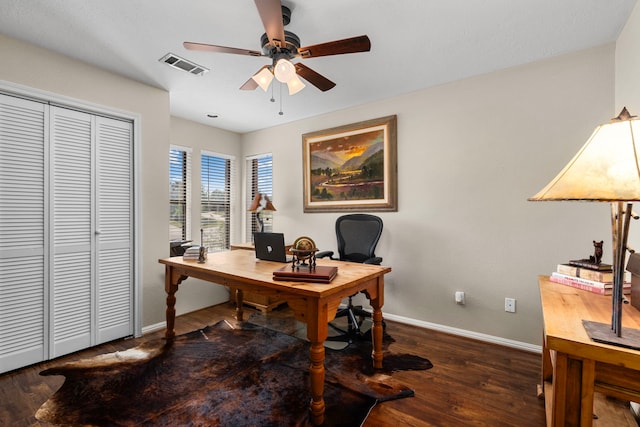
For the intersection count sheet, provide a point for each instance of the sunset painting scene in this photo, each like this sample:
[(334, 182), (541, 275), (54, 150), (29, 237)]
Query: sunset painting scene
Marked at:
[(348, 167)]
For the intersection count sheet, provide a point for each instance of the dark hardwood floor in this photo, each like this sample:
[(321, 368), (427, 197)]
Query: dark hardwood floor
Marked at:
[(471, 384)]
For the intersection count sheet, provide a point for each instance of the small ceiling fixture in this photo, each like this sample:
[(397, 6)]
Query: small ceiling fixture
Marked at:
[(183, 64)]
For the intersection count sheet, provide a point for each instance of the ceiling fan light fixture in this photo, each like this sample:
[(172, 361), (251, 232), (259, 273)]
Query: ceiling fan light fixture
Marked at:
[(263, 78), (295, 85), (284, 70)]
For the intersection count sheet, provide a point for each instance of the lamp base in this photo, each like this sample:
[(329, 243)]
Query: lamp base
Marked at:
[(602, 333)]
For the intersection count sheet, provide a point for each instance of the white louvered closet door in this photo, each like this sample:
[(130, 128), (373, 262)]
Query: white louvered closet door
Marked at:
[(23, 242), (66, 231), (114, 229), (72, 269)]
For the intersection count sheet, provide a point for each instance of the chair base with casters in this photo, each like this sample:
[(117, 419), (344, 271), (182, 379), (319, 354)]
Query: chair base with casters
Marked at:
[(356, 317), (357, 236)]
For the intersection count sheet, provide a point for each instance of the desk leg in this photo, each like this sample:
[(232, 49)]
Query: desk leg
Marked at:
[(171, 282), (375, 294), (316, 374), (239, 304), (317, 331)]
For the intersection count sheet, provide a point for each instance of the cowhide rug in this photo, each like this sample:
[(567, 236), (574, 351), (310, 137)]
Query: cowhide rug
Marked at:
[(222, 375)]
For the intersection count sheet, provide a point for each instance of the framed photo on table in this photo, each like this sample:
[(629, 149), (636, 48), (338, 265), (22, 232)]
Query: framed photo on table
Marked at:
[(351, 167)]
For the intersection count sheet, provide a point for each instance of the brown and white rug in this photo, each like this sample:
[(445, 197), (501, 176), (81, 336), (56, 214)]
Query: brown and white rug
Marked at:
[(222, 375)]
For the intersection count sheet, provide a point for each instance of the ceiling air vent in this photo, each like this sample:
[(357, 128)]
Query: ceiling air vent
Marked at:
[(183, 64)]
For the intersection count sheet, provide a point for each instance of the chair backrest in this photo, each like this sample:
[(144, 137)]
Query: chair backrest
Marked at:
[(358, 235)]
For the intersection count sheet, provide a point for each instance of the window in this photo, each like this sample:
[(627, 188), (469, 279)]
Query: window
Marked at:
[(215, 213), (259, 180), (179, 192)]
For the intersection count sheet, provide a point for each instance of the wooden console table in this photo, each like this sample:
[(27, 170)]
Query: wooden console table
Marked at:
[(312, 303), (264, 303), (573, 366)]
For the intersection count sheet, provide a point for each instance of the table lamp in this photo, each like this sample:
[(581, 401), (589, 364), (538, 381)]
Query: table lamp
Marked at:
[(606, 169), (261, 203)]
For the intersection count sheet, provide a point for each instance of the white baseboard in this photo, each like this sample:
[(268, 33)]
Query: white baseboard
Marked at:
[(468, 334), (427, 325), (153, 328)]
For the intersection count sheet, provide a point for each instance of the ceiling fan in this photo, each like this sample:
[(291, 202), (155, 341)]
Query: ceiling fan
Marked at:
[(282, 46)]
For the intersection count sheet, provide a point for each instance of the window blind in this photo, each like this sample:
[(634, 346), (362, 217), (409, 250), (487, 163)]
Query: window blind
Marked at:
[(259, 180), (179, 192), (215, 211)]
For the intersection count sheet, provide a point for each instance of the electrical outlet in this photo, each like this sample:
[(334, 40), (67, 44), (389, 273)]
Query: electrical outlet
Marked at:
[(510, 305)]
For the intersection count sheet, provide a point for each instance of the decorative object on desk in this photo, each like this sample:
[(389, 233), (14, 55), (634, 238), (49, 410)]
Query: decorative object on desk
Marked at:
[(303, 249), (351, 167), (606, 170), (594, 262), (202, 251), (194, 253), (204, 378), (261, 203)]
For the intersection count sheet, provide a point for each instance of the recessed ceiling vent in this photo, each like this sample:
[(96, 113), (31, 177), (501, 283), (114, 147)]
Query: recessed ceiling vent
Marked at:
[(183, 64)]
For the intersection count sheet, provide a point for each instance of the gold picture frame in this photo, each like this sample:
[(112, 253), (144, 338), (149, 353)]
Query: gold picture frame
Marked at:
[(351, 167)]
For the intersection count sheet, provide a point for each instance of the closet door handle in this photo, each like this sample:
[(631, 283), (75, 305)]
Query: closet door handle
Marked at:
[(98, 232)]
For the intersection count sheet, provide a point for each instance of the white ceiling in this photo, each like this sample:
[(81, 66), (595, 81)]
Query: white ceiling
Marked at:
[(415, 44)]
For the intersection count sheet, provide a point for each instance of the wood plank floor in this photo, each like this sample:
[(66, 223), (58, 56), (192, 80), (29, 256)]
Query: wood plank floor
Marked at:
[(471, 384)]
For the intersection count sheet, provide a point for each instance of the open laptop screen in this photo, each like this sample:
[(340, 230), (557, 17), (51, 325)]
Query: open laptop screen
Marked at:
[(270, 247)]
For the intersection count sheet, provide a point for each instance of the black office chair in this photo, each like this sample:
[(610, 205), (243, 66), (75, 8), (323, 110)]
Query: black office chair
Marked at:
[(357, 236)]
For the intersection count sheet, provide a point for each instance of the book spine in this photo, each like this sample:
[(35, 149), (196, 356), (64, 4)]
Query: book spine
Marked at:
[(584, 281), (584, 273), (578, 285), (585, 287)]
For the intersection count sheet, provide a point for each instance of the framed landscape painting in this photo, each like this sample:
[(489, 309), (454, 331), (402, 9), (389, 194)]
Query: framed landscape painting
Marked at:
[(351, 168)]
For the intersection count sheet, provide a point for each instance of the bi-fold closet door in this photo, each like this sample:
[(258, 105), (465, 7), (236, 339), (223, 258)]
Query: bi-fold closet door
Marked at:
[(66, 231)]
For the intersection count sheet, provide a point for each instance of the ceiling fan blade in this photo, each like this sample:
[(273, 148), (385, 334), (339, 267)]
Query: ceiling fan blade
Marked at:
[(271, 14), (337, 47), (249, 85), (318, 80), (219, 49)]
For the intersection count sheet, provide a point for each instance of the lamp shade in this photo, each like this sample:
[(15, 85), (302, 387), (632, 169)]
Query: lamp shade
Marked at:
[(263, 78), (284, 70), (605, 169), (295, 85), (261, 203)]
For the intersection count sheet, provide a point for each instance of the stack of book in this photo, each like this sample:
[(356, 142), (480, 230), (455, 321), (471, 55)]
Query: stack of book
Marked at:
[(596, 281), (193, 253), (317, 274)]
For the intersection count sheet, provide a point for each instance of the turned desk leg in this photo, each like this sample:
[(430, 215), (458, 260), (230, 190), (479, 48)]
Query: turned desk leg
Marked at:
[(171, 282), (239, 304), (316, 374), (376, 337)]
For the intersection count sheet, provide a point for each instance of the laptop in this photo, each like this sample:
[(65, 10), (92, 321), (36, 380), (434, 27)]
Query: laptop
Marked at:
[(270, 247)]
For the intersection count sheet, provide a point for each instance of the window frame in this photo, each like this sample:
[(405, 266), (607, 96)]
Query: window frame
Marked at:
[(185, 170)]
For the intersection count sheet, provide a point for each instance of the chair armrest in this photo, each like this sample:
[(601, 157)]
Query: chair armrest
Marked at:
[(324, 254), (375, 260)]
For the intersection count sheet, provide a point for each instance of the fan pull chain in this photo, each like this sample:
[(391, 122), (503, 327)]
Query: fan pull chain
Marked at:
[(280, 112), (272, 97)]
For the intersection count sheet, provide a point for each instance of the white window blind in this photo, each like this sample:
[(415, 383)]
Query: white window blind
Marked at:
[(179, 193), (259, 180), (215, 211)]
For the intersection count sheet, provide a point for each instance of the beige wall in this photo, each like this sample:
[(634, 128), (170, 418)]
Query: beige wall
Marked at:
[(470, 153)]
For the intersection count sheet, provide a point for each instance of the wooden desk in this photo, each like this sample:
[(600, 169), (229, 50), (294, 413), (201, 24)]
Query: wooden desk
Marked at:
[(314, 304), (573, 366)]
